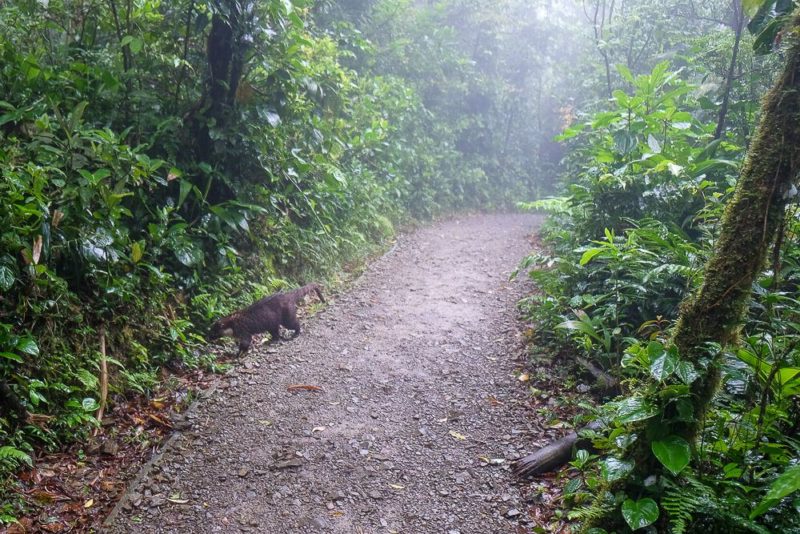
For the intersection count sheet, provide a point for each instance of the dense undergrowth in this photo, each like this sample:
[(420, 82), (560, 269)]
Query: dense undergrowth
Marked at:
[(626, 245), (165, 162)]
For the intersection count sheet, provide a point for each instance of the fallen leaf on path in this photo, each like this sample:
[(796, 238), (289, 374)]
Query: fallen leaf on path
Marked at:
[(89, 503), (317, 429), (303, 387), (491, 461), (457, 435), (397, 486), (178, 501), (524, 377), (493, 401), (160, 420)]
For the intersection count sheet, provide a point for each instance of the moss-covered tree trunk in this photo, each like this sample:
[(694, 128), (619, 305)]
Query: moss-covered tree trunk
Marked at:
[(748, 228)]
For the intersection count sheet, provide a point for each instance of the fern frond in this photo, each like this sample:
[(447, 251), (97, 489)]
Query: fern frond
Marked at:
[(679, 504), (14, 455)]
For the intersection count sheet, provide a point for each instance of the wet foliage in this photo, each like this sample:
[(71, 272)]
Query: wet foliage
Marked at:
[(704, 435), (164, 163)]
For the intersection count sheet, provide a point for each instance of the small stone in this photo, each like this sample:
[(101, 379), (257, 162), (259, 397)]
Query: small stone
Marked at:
[(375, 494), (243, 472), (513, 513)]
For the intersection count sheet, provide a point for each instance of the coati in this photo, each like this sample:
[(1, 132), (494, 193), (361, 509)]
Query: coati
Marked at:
[(265, 315)]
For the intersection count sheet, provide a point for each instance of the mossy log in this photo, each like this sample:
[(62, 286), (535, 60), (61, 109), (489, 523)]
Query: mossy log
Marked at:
[(554, 455)]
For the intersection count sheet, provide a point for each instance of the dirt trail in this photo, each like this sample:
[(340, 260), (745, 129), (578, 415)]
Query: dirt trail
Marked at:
[(418, 407)]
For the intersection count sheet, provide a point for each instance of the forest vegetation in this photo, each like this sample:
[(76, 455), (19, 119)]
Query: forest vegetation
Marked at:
[(165, 163)]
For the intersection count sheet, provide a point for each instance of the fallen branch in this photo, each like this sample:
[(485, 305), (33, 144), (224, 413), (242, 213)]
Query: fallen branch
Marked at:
[(103, 375), (604, 380), (552, 456)]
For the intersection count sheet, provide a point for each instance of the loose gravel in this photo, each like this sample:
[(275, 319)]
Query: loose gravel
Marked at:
[(419, 415)]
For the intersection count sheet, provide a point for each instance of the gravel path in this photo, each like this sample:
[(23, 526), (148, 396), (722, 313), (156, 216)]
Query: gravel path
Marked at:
[(413, 431)]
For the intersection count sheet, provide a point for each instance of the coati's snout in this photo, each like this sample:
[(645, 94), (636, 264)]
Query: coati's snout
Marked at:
[(219, 329)]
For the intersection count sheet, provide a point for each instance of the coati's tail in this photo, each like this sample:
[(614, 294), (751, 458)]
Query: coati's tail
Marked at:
[(308, 289)]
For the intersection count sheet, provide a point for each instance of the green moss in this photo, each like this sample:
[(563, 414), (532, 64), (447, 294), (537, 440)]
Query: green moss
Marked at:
[(747, 231)]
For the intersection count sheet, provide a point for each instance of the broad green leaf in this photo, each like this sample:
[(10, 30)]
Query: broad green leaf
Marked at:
[(634, 409), (589, 254), (6, 278), (136, 252), (663, 366), (134, 43), (89, 405), (625, 72), (641, 513), (27, 345), (185, 187), (655, 350), (189, 255), (686, 372), (673, 452), (612, 469), (11, 356), (573, 486), (621, 98), (784, 485)]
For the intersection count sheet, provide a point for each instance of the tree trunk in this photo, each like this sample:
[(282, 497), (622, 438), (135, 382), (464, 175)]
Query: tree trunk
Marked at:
[(225, 51), (748, 228), (738, 22), (750, 224)]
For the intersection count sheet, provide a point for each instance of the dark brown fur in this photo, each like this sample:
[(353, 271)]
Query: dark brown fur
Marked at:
[(265, 315)]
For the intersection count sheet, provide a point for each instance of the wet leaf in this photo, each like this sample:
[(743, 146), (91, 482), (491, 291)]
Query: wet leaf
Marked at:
[(641, 513), (615, 469), (28, 346), (673, 452), (457, 435), (6, 278)]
